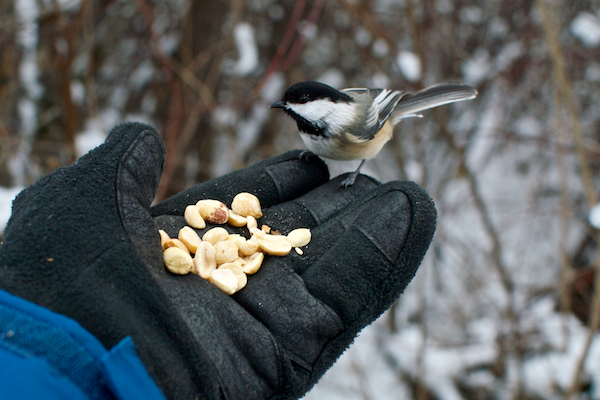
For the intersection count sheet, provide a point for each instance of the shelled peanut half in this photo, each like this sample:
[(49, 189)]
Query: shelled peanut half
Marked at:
[(223, 258)]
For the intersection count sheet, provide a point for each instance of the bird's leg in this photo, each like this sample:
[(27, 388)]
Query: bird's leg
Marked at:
[(306, 155), (349, 181)]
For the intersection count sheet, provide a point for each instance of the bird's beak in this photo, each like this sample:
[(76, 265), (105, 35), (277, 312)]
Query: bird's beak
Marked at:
[(278, 104)]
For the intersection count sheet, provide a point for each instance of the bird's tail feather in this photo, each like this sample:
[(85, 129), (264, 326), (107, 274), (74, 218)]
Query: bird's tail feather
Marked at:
[(434, 96)]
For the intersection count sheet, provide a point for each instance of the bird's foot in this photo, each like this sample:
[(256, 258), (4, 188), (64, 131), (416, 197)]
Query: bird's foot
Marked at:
[(305, 155), (349, 181)]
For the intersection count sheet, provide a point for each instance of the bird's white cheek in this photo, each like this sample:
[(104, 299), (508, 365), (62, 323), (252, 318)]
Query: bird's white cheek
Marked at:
[(312, 111), (336, 115)]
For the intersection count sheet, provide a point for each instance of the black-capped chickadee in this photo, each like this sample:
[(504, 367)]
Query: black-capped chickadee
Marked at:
[(354, 124)]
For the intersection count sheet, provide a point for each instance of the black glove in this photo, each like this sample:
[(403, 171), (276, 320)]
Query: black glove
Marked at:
[(82, 242)]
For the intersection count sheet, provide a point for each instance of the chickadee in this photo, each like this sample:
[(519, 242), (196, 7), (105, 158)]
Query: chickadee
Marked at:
[(354, 124)]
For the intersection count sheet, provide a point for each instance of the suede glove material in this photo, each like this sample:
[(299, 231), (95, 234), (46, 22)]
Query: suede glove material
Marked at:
[(83, 242)]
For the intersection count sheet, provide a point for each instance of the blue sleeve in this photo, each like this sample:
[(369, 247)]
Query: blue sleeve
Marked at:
[(44, 355)]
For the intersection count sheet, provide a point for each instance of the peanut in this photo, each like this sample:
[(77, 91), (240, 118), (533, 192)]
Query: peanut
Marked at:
[(249, 247), (253, 263), (276, 245), (193, 218), (177, 260), (226, 259), (164, 236), (225, 252), (189, 238), (299, 237), (176, 243), (235, 238), (225, 280), (246, 204), (242, 279), (236, 220), (213, 211), (205, 261), (215, 235), (251, 222), (239, 261)]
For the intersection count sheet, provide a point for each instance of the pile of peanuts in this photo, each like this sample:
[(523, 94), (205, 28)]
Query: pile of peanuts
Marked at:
[(222, 258)]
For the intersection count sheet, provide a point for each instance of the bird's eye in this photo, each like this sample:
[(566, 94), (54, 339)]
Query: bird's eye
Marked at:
[(304, 98)]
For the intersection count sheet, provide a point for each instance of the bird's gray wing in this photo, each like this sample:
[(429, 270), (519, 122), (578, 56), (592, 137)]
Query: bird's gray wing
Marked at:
[(384, 102), (412, 104)]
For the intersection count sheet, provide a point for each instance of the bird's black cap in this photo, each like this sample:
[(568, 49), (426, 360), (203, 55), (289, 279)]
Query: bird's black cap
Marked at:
[(303, 92)]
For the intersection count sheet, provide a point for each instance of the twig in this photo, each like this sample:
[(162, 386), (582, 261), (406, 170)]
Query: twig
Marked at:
[(564, 95), (300, 39), (88, 48), (481, 206), (171, 138), (496, 256), (286, 41), (171, 64), (363, 13)]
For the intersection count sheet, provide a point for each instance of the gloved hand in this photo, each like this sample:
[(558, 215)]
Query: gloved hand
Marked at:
[(83, 242)]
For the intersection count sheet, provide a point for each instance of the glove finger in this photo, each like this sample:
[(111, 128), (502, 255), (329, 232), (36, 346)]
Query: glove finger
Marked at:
[(357, 264), (273, 181), (380, 242), (76, 206), (316, 206), (137, 180)]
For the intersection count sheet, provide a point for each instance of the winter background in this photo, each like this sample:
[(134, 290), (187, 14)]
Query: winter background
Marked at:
[(503, 306)]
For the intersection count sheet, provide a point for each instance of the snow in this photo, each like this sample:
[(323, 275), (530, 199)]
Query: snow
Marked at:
[(471, 15), (7, 195), (276, 12), (380, 48), (308, 30), (246, 47), (169, 43), (19, 164), (225, 117), (374, 350), (409, 65), (586, 28), (380, 80), (594, 216), (414, 171), (444, 6), (223, 164), (332, 77), (362, 37), (592, 73), (542, 372), (482, 142), (142, 75), (78, 92), (29, 75), (148, 105), (498, 28), (27, 38), (93, 136), (477, 68), (273, 88), (527, 126), (508, 54), (249, 129)]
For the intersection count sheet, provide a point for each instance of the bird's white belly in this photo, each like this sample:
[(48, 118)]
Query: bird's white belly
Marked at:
[(348, 149)]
